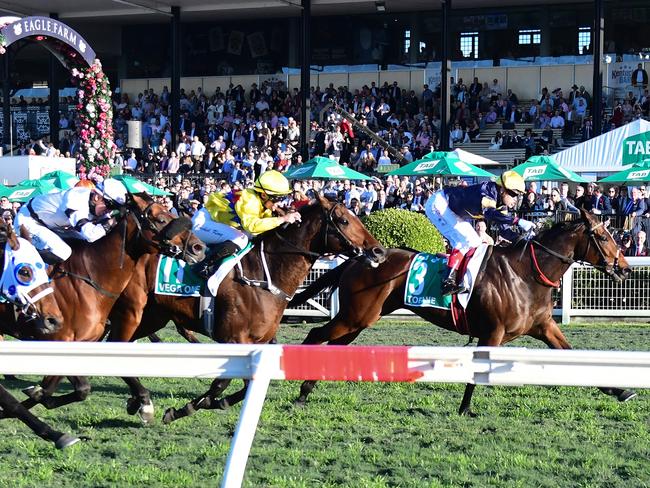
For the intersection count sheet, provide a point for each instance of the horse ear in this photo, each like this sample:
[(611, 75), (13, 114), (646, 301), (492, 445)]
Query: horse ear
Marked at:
[(24, 233), (323, 201), (585, 214), (12, 238)]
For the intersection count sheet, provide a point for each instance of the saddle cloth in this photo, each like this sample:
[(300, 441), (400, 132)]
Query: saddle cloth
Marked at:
[(426, 273)]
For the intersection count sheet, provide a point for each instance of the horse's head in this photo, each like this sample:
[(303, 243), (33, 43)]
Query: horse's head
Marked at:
[(162, 232), (600, 249), (25, 282), (343, 233)]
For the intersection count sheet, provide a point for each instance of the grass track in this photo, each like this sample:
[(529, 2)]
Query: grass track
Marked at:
[(356, 435)]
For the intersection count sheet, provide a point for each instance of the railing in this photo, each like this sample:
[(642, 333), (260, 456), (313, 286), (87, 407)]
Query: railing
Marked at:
[(584, 292), (31, 121), (261, 364)]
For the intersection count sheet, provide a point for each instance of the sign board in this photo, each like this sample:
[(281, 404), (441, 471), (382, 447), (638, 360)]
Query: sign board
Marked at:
[(14, 169), (44, 29), (636, 148)]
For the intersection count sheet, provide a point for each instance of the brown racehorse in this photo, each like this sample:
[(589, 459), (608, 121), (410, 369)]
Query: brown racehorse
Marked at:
[(243, 313), (47, 315), (511, 298), (89, 283)]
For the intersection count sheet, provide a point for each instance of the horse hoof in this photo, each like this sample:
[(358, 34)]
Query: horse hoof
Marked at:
[(300, 402), (66, 441), (466, 412), (146, 413), (169, 416), (133, 405), (626, 395), (34, 392)]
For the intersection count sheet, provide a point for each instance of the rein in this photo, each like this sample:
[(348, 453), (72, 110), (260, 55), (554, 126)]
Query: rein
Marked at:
[(604, 266), (87, 280)]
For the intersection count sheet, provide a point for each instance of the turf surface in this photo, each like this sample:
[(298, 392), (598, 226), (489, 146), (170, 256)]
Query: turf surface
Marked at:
[(355, 435)]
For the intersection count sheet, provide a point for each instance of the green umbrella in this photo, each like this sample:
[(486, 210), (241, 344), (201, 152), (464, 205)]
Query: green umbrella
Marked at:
[(5, 190), (27, 189), (442, 164), (134, 185), (60, 179), (320, 168), (637, 173), (545, 168)]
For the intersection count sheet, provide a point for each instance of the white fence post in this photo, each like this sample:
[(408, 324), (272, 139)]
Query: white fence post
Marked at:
[(261, 366), (567, 293)]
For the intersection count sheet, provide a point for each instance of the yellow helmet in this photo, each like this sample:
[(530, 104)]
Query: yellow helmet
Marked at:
[(272, 182), (513, 181)]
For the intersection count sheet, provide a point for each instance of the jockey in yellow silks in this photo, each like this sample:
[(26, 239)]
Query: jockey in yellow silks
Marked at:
[(228, 220)]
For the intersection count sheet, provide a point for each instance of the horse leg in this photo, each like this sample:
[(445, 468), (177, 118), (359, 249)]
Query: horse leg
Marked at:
[(38, 393), (188, 335), (554, 338), (81, 391), (338, 334), (494, 340), (206, 401), (140, 401), (13, 408)]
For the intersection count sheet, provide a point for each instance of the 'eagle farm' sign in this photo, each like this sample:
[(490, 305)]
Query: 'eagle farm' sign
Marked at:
[(44, 29)]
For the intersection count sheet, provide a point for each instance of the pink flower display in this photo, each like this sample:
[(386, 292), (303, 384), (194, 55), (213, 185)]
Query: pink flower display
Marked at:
[(95, 115)]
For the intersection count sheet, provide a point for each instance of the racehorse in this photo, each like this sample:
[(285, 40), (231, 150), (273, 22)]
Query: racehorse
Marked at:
[(88, 284), (511, 298), (44, 313), (243, 313)]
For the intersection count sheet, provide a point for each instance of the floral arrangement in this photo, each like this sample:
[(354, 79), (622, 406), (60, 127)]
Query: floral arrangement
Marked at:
[(95, 119)]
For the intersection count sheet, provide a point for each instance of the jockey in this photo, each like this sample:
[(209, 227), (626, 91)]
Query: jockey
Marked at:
[(229, 219), (451, 208), (83, 208)]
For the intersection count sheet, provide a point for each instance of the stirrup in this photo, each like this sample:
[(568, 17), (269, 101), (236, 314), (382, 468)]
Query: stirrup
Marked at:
[(452, 288)]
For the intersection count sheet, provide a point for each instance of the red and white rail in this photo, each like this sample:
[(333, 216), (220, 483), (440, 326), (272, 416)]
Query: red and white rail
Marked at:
[(261, 364)]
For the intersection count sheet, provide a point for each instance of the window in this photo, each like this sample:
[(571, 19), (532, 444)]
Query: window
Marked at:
[(584, 39), (469, 44), (530, 36), (407, 41)]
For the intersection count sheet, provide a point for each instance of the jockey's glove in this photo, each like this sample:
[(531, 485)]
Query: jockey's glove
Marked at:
[(526, 225), (108, 224)]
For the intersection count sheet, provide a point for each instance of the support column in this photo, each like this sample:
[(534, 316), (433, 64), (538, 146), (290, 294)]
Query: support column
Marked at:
[(305, 79), (445, 69), (6, 99), (53, 85), (597, 88), (175, 88)]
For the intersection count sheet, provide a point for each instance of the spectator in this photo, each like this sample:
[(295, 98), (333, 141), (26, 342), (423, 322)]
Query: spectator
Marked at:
[(639, 247), (481, 230)]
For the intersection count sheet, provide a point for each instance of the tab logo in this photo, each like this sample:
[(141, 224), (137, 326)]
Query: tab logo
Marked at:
[(426, 166), (534, 171), (635, 175)]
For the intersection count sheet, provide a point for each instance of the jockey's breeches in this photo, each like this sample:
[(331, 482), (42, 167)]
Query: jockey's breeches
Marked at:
[(211, 232), (459, 232), (42, 237)]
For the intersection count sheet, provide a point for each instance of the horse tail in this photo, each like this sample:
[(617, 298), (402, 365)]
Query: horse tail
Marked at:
[(329, 279)]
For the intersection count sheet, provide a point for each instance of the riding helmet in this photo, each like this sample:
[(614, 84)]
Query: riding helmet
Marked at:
[(513, 181), (272, 182)]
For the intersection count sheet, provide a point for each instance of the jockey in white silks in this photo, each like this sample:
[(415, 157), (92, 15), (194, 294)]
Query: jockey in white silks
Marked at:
[(452, 208), (83, 209)]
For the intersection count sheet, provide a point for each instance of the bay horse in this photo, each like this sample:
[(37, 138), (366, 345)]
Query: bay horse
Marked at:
[(511, 298), (243, 313), (44, 314), (89, 283)]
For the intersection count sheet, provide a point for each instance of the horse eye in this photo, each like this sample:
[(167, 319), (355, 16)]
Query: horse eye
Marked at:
[(602, 238), (162, 220), (344, 222), (24, 275)]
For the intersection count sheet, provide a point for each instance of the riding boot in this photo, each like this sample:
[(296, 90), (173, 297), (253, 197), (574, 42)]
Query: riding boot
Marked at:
[(49, 257), (216, 254), (450, 286)]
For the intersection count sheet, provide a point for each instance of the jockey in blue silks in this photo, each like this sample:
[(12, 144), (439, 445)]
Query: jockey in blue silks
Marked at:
[(452, 208)]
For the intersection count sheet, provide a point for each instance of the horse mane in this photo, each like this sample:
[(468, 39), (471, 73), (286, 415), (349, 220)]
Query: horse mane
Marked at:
[(554, 232)]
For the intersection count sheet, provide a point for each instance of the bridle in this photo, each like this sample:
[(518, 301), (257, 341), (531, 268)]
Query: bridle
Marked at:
[(162, 235), (331, 228), (603, 266)]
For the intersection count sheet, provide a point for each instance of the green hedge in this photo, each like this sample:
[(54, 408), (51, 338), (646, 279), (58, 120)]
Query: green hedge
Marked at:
[(402, 228)]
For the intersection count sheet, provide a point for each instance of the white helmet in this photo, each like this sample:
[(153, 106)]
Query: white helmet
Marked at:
[(114, 190)]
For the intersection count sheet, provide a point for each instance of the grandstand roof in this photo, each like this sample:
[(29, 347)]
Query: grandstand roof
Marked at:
[(158, 10)]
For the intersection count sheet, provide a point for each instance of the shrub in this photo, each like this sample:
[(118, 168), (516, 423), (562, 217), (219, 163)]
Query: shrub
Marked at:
[(402, 228)]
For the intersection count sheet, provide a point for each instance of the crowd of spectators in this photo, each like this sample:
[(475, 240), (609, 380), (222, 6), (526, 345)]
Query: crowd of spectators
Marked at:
[(228, 138)]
